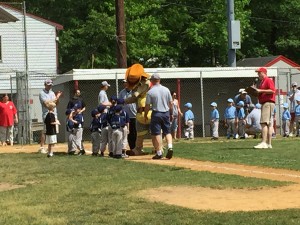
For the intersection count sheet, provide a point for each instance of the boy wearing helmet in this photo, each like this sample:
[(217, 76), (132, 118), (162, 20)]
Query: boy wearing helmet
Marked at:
[(188, 121)]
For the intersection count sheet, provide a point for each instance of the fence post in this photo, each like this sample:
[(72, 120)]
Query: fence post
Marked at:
[(202, 104)]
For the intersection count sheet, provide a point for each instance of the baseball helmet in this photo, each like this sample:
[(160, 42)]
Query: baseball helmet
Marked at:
[(188, 105)]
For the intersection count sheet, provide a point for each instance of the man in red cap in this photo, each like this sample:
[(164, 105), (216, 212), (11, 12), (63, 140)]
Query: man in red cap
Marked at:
[(266, 97)]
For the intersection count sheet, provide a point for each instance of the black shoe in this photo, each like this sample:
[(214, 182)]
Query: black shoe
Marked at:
[(94, 154), (101, 154), (242, 137), (82, 152), (71, 153), (117, 156), (157, 157), (169, 153), (111, 154)]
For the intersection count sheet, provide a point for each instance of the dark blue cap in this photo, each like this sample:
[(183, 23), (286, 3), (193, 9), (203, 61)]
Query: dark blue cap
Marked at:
[(94, 112), (120, 101), (113, 98), (68, 111), (101, 108), (118, 108)]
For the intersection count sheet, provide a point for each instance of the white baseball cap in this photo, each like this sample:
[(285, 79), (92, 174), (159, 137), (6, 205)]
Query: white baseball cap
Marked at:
[(104, 83)]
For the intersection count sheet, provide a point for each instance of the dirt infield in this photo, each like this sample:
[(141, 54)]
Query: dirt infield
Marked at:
[(205, 198)]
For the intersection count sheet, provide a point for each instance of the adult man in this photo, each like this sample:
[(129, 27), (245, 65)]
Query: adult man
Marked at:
[(292, 95), (266, 97), (161, 100), (102, 98), (46, 96), (253, 126), (131, 110), (242, 96)]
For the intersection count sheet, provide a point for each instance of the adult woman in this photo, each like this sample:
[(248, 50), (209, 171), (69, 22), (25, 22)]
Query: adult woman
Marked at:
[(8, 115), (176, 112)]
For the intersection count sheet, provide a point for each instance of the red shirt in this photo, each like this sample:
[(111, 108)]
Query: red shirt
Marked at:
[(266, 83), (7, 112)]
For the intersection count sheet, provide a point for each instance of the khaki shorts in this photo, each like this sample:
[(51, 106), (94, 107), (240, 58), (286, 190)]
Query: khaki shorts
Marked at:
[(267, 111)]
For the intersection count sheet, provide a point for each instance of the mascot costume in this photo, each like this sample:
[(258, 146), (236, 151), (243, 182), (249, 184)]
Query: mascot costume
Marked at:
[(138, 81)]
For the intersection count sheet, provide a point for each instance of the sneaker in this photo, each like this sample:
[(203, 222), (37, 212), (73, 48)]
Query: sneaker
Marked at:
[(111, 154), (157, 157), (94, 154), (82, 152), (50, 154), (125, 156), (169, 153), (270, 146), (261, 145), (43, 150)]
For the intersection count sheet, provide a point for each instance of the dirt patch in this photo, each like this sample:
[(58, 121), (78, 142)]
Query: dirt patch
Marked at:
[(7, 186), (227, 199)]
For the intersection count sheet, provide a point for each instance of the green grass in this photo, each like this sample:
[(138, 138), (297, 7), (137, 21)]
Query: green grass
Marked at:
[(284, 154), (87, 190)]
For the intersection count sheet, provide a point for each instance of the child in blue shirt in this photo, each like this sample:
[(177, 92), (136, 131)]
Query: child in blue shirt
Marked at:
[(241, 116), (297, 115), (230, 119), (95, 128), (189, 121), (286, 118), (214, 121)]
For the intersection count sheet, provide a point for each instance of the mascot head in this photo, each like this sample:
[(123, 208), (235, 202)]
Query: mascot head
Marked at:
[(134, 74)]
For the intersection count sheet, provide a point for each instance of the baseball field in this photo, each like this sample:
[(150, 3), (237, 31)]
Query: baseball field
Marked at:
[(221, 182)]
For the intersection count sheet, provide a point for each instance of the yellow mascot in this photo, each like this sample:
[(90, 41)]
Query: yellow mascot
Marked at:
[(138, 81)]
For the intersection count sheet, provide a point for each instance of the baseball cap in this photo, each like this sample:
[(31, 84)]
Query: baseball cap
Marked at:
[(251, 106), (294, 84), (261, 69), (285, 105), (49, 82), (230, 100), (189, 105), (120, 101), (240, 103), (258, 106), (241, 90), (68, 112), (155, 76), (244, 92), (118, 108), (104, 83), (113, 98), (94, 112), (214, 104), (101, 108)]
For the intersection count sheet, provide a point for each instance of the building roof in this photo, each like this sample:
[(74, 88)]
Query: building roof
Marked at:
[(58, 26), (5, 17), (265, 61)]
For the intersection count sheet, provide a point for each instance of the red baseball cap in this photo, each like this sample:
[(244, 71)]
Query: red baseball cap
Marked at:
[(261, 69)]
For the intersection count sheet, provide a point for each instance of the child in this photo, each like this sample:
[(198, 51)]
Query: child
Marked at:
[(230, 119), (214, 121), (69, 129), (241, 116), (76, 137), (297, 115), (117, 124), (51, 122), (95, 128), (104, 129), (188, 121), (286, 118), (125, 117)]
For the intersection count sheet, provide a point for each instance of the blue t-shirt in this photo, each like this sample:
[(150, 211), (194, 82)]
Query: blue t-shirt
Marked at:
[(230, 112), (286, 115), (214, 115), (189, 115)]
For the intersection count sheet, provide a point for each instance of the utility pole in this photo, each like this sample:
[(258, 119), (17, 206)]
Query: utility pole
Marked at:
[(234, 39), (121, 35)]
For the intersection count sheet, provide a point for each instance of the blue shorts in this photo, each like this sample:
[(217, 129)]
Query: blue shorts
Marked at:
[(160, 121)]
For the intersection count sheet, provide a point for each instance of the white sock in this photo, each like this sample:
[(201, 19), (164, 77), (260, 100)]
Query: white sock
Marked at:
[(170, 145), (159, 152)]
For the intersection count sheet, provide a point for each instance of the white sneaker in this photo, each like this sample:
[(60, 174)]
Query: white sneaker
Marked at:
[(291, 135), (43, 150), (50, 154), (269, 146), (261, 145), (125, 156)]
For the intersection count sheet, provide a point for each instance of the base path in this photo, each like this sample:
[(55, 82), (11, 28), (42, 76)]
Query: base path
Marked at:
[(227, 199)]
